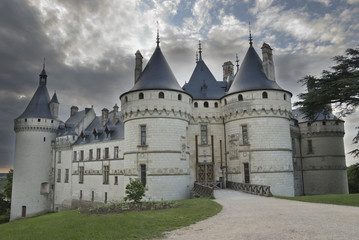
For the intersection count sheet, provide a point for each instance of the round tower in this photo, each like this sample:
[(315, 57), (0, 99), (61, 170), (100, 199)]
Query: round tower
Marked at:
[(256, 117), (35, 131), (156, 114)]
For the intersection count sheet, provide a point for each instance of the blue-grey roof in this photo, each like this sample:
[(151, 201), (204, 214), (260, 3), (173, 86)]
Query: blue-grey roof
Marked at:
[(157, 74), (54, 99), (251, 75), (39, 105), (321, 116), (202, 84)]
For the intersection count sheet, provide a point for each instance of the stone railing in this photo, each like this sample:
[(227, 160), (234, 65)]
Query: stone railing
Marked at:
[(202, 190), (250, 188)]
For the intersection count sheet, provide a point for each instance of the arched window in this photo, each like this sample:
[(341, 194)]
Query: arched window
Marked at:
[(240, 97), (216, 104), (126, 99), (285, 96), (140, 96), (205, 104), (161, 95), (196, 105), (264, 95), (179, 97), (225, 101)]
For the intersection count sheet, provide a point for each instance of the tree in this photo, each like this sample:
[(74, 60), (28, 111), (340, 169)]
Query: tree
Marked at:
[(8, 186), (135, 191), (353, 178), (339, 86)]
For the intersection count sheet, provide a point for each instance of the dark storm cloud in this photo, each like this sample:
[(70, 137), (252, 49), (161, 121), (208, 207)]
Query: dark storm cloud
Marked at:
[(23, 45)]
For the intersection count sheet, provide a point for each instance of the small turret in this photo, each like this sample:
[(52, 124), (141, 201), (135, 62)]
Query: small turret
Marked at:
[(268, 65), (138, 68), (54, 106)]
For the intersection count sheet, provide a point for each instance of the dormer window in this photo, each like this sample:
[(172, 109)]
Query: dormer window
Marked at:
[(140, 96), (264, 95), (95, 134), (161, 95)]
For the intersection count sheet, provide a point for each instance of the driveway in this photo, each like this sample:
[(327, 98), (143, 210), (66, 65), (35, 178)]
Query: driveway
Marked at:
[(246, 216)]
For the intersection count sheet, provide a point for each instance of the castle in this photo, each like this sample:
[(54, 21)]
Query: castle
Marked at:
[(240, 129)]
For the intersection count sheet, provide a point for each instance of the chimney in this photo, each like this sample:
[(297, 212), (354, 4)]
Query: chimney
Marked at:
[(104, 116), (227, 70), (74, 110), (268, 64), (115, 114), (138, 68)]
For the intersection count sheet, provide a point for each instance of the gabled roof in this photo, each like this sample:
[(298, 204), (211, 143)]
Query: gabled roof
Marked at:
[(202, 84), (251, 75), (157, 74), (39, 105)]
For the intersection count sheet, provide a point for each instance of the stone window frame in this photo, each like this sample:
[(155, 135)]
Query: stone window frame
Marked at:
[(115, 152), (58, 179), (67, 172), (74, 156), (90, 154), (141, 95), (81, 174), (161, 95), (106, 174), (98, 153), (264, 95), (206, 104), (204, 134), (143, 135), (310, 146), (107, 153), (245, 138), (240, 97), (143, 176)]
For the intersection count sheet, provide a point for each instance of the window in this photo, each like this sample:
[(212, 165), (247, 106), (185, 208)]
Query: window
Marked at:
[(44, 139), (92, 195), (115, 152), (143, 135), (98, 153), (105, 197), (324, 123), (80, 194), (59, 157), (310, 146), (225, 101), (246, 172), (25, 119), (106, 173), (205, 104), (75, 156), (216, 104), (196, 105), (264, 95), (58, 175), (81, 174), (90, 154), (245, 134), (161, 95), (240, 97), (179, 97), (285, 96), (143, 174), (140, 96), (204, 134), (309, 124), (106, 153), (116, 180), (39, 120), (66, 175), (126, 99), (81, 155)]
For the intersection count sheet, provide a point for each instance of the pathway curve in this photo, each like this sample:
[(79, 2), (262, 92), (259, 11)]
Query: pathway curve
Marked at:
[(246, 216)]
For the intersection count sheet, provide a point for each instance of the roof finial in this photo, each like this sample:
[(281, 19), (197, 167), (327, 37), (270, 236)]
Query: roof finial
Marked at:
[(158, 35), (196, 57), (43, 65), (200, 50), (250, 35), (237, 61)]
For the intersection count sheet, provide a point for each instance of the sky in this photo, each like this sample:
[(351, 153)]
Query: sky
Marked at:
[(89, 47)]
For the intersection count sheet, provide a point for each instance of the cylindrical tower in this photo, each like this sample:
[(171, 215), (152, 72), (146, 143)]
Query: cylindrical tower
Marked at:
[(156, 113), (257, 128), (35, 130)]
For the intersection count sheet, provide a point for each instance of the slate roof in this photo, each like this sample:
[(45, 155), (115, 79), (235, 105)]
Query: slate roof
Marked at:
[(251, 75), (54, 98), (157, 74), (39, 105), (323, 115), (202, 84)]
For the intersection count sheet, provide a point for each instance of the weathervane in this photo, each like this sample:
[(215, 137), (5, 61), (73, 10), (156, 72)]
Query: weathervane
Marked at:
[(200, 50), (250, 34), (158, 35)]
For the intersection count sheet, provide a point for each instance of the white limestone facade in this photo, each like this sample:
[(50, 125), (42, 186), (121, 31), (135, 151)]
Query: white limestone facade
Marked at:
[(32, 180)]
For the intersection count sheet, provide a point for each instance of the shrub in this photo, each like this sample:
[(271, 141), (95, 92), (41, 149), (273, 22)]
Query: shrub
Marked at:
[(135, 191)]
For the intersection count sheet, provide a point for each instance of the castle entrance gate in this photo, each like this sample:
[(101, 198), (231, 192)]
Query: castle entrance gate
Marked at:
[(205, 172)]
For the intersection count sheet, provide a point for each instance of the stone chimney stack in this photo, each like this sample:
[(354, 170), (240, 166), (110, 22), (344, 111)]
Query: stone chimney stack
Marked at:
[(74, 109), (138, 68), (104, 116), (268, 64), (115, 114), (227, 70)]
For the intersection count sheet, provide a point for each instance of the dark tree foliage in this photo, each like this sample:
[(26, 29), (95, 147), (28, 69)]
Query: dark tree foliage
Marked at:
[(339, 86), (8, 186), (353, 178)]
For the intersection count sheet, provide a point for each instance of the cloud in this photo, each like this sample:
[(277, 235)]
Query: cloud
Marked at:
[(324, 2)]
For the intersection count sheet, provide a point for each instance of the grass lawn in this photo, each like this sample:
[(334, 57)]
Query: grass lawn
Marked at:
[(130, 225), (338, 199)]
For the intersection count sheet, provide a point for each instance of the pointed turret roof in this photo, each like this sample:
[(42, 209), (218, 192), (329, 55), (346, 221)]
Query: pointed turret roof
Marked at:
[(157, 74), (251, 75), (54, 98), (39, 104), (202, 84)]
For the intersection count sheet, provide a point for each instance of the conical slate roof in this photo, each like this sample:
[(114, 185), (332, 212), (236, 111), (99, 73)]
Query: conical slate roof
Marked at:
[(157, 74), (251, 75), (202, 84), (54, 98)]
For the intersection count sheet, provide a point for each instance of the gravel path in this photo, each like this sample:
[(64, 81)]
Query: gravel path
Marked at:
[(246, 216)]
